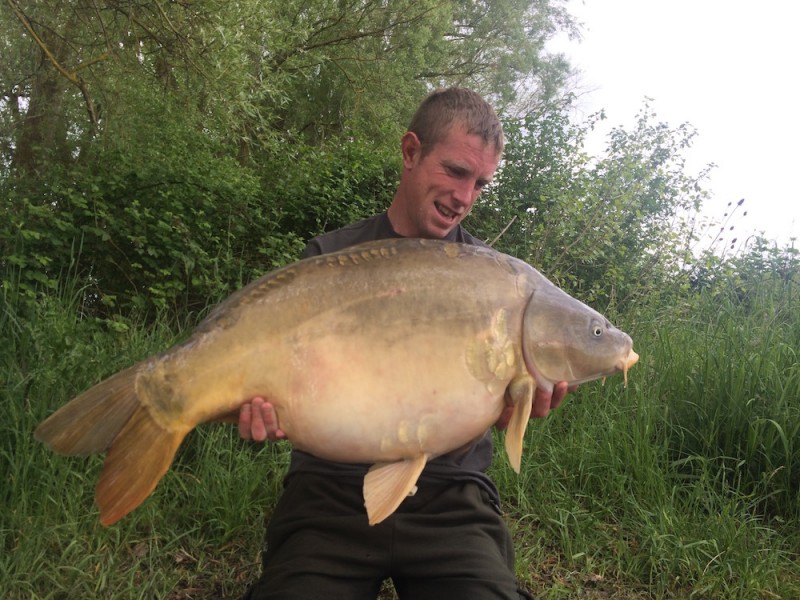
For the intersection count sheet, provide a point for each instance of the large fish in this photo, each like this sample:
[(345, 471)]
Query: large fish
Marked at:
[(389, 353)]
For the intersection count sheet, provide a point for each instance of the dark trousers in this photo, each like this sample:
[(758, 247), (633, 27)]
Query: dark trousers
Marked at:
[(447, 541)]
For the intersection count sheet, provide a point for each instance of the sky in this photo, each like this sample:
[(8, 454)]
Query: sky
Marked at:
[(729, 68)]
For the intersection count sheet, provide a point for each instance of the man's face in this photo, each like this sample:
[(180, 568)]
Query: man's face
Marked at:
[(439, 189)]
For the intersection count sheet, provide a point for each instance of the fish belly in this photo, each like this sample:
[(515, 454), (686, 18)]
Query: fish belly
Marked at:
[(412, 398)]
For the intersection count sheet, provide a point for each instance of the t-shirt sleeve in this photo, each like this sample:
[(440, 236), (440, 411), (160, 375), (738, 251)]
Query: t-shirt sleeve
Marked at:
[(312, 249)]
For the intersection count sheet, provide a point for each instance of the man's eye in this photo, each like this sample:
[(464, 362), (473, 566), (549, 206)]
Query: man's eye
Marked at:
[(454, 172)]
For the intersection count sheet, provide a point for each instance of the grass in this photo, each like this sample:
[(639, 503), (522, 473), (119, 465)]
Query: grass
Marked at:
[(682, 485)]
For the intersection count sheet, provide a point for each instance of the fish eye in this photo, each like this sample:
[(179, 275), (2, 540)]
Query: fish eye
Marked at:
[(597, 331)]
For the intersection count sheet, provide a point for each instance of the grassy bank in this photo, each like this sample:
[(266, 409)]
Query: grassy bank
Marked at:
[(684, 484)]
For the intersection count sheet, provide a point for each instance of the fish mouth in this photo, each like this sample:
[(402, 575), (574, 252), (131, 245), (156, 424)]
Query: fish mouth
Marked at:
[(626, 363)]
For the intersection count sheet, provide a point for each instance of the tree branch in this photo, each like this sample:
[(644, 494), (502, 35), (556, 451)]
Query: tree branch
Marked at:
[(71, 76)]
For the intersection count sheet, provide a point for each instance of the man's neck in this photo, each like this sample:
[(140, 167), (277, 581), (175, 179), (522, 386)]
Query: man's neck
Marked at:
[(398, 221)]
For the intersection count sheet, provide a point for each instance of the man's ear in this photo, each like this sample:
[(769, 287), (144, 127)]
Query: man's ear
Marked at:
[(412, 149)]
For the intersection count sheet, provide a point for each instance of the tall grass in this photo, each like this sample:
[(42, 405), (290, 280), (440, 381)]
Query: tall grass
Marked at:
[(682, 485), (201, 529), (739, 403), (685, 484)]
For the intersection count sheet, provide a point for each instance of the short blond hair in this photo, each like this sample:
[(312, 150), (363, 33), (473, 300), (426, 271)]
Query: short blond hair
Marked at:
[(446, 107)]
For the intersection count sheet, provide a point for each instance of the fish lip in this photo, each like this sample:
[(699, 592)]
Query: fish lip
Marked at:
[(626, 363), (631, 359)]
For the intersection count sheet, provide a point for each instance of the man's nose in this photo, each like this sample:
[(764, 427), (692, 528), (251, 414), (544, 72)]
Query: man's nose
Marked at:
[(464, 192)]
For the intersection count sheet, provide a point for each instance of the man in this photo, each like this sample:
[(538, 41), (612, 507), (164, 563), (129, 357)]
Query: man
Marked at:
[(449, 539)]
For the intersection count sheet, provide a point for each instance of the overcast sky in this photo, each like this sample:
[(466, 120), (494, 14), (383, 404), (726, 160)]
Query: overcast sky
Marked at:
[(728, 67)]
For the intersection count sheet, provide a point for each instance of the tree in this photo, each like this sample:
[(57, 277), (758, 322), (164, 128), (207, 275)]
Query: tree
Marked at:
[(165, 152), (250, 72)]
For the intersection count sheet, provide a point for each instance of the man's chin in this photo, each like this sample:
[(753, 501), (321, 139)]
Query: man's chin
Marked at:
[(437, 233), (440, 226)]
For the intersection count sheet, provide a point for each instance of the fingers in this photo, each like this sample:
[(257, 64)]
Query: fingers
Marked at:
[(560, 391), (258, 426), (544, 402), (269, 420), (541, 403), (245, 421), (258, 421)]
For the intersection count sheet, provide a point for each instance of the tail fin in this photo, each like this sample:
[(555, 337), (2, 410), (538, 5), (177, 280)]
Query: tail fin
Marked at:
[(89, 423), (110, 417), (136, 462)]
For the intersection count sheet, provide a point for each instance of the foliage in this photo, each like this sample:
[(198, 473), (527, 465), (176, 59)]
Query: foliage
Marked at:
[(252, 72), (166, 232), (320, 188), (757, 262), (735, 402), (164, 154), (614, 228)]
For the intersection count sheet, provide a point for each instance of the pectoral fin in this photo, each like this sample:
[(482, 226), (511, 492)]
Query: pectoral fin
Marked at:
[(386, 485), (520, 392)]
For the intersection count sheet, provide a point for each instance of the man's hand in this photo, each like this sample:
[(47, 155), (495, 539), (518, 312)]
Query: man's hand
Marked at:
[(543, 403), (259, 422)]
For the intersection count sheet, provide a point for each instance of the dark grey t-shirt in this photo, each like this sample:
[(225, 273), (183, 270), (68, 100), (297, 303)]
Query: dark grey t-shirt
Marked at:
[(463, 464)]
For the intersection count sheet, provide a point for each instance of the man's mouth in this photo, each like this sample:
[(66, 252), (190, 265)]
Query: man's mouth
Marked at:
[(445, 212)]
